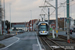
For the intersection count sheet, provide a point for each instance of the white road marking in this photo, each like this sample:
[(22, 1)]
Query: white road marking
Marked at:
[(38, 43), (11, 43)]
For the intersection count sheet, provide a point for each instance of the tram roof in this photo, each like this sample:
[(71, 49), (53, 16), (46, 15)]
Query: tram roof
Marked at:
[(42, 22)]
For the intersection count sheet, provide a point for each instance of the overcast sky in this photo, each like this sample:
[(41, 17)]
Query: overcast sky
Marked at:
[(23, 10)]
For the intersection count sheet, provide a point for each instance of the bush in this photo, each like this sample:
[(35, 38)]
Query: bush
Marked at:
[(1, 45)]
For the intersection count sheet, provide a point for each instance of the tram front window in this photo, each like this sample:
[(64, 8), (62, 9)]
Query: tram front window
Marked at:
[(43, 28)]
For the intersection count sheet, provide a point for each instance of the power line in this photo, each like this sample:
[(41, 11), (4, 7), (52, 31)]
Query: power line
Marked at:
[(54, 10), (70, 6), (58, 7)]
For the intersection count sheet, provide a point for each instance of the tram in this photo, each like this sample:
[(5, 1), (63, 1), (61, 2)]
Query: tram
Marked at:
[(43, 28)]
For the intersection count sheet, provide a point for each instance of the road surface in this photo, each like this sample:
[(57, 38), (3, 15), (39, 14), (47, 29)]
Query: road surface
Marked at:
[(28, 41)]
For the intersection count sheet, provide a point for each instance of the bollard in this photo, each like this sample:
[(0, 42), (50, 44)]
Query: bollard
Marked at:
[(16, 33), (53, 34), (68, 41)]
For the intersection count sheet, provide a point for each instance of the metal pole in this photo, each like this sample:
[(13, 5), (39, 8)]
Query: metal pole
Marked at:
[(48, 15), (64, 18), (31, 20), (4, 16), (1, 27), (10, 16), (68, 33), (44, 17), (33, 25), (25, 25), (1, 17), (56, 18)]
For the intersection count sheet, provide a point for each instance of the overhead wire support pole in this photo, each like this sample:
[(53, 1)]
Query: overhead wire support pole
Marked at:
[(42, 17), (48, 15), (56, 18), (68, 33)]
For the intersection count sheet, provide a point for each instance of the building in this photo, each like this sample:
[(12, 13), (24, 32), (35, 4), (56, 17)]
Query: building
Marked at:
[(32, 24), (19, 25)]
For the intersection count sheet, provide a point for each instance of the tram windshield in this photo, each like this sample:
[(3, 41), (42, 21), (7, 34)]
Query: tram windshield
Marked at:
[(43, 28)]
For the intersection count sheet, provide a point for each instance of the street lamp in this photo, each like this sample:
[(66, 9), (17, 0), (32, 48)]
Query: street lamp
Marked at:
[(10, 15), (4, 16), (0, 17)]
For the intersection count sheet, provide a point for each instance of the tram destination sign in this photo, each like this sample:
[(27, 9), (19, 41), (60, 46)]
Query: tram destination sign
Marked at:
[(43, 23)]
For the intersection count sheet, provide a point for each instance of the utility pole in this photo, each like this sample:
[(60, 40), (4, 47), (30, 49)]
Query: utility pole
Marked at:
[(0, 17), (68, 33), (48, 15), (4, 15), (64, 17), (56, 18)]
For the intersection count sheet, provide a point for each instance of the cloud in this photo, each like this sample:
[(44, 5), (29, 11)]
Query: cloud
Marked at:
[(20, 9)]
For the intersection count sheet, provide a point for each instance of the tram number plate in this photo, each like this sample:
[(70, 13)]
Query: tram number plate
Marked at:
[(43, 31)]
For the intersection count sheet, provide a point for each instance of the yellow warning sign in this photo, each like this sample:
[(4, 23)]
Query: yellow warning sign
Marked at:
[(56, 31)]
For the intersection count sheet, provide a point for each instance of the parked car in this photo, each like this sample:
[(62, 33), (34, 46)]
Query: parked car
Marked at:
[(71, 31), (20, 31)]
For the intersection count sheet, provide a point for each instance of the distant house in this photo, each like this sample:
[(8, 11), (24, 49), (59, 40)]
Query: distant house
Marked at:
[(19, 25)]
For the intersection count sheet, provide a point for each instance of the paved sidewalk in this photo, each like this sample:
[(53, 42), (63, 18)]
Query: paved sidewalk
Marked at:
[(2, 37), (9, 41)]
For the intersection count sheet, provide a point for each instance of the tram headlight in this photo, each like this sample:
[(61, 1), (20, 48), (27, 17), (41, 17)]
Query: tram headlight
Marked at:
[(41, 32), (45, 32)]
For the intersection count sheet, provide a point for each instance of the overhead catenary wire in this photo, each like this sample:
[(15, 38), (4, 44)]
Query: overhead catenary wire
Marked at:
[(53, 11), (65, 6)]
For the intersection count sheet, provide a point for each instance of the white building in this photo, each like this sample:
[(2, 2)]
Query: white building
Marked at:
[(72, 23)]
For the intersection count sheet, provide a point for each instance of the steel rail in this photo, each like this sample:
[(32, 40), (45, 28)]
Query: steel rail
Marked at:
[(43, 38)]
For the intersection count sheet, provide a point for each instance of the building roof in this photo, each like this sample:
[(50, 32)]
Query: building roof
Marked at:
[(50, 21)]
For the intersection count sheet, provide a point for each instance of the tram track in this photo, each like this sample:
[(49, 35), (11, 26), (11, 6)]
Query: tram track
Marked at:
[(50, 44), (65, 38)]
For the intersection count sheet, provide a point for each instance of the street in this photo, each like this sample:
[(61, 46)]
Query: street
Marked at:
[(28, 41)]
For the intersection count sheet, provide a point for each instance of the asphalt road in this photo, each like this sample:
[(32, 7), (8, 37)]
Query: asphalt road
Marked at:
[(28, 41)]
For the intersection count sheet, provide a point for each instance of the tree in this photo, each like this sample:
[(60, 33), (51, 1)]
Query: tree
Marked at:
[(7, 23)]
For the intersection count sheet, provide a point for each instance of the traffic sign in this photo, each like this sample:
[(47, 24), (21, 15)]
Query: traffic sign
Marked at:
[(50, 28)]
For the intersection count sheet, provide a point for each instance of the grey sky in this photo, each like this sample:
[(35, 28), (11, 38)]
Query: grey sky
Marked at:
[(20, 9)]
